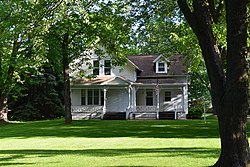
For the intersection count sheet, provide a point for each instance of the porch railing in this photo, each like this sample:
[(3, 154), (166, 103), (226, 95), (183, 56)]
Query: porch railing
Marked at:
[(146, 108), (86, 112), (86, 108)]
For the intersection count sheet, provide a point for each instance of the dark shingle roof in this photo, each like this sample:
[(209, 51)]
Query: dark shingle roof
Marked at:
[(146, 64)]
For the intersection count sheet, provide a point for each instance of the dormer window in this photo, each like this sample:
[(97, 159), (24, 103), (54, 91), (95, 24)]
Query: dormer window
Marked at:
[(161, 67)]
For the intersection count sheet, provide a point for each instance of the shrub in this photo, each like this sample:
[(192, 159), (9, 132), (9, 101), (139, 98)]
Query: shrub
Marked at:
[(195, 112)]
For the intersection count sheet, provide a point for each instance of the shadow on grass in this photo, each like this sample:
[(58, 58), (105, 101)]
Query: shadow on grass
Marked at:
[(193, 152), (113, 128)]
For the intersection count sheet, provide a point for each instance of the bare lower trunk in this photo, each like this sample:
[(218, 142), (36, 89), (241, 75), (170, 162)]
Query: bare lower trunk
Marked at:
[(3, 110), (234, 140)]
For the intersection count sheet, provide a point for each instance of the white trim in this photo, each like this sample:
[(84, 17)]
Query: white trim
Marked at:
[(157, 67), (157, 58), (134, 65), (105, 102), (111, 79)]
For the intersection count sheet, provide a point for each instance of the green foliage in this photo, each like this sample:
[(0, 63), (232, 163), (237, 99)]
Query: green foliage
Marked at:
[(195, 112), (38, 97), (160, 28), (31, 48)]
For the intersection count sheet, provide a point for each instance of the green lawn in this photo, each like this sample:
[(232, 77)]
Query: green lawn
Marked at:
[(105, 143)]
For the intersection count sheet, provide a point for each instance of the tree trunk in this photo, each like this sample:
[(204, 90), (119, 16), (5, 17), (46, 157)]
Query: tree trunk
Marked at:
[(6, 82), (67, 99), (233, 117), (229, 91), (3, 109)]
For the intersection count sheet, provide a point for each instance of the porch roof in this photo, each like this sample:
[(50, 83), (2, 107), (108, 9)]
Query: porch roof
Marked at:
[(102, 81), (162, 81)]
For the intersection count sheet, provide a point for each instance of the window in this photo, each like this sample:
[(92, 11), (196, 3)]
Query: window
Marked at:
[(96, 67), (92, 97), (107, 67), (83, 97), (167, 96), (161, 67), (149, 97), (96, 97), (102, 97)]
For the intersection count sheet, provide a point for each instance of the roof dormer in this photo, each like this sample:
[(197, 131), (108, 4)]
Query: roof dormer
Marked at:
[(161, 65)]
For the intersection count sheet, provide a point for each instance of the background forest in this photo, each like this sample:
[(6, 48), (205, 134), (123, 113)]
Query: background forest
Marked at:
[(39, 40)]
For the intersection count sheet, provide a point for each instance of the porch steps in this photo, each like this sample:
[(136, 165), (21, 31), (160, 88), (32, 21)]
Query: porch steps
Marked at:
[(86, 115), (114, 116), (170, 115)]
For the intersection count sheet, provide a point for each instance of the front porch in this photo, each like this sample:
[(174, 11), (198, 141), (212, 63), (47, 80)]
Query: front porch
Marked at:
[(142, 112), (124, 100)]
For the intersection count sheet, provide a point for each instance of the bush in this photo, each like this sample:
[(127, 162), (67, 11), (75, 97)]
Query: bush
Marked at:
[(195, 112)]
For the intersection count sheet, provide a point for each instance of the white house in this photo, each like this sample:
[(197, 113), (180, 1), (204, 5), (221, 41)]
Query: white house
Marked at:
[(147, 87)]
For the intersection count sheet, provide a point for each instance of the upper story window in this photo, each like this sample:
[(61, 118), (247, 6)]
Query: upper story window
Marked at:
[(96, 67), (161, 67), (107, 67)]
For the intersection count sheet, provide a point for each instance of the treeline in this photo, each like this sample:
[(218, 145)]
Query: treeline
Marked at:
[(39, 96)]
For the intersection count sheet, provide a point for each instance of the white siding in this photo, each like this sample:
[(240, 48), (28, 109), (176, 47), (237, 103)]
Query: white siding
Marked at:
[(117, 100), (75, 97), (141, 97), (176, 102), (128, 71)]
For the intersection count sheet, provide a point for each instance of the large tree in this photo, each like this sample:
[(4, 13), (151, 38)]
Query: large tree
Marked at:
[(18, 22), (228, 78), (77, 26)]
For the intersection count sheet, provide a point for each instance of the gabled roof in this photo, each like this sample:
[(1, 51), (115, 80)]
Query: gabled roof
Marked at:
[(117, 80), (136, 67), (160, 57), (147, 64)]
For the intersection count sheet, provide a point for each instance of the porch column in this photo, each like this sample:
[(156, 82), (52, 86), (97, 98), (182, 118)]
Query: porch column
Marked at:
[(129, 102), (183, 98), (158, 101), (134, 99), (105, 102)]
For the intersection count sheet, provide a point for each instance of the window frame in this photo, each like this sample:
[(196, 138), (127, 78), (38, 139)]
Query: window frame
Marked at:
[(161, 68), (167, 96), (107, 69), (96, 68), (149, 97), (92, 97)]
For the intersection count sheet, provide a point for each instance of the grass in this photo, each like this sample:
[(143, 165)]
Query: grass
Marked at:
[(105, 143)]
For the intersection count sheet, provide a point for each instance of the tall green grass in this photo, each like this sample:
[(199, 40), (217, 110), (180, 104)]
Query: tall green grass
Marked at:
[(104, 143)]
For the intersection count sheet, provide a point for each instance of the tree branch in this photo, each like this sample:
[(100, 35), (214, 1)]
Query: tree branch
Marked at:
[(203, 82), (188, 14), (215, 12)]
